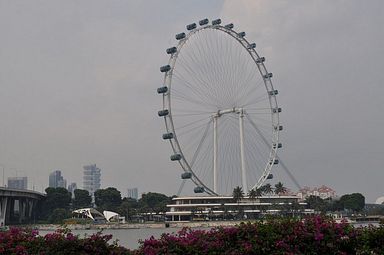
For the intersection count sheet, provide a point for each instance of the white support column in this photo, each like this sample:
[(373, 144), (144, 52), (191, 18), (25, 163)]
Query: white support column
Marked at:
[(243, 170), (3, 210), (215, 153)]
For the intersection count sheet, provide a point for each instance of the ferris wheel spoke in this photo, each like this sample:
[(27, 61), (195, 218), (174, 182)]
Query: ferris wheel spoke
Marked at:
[(200, 144), (265, 141), (190, 129), (193, 87), (192, 123), (195, 75), (193, 114), (195, 101), (246, 93)]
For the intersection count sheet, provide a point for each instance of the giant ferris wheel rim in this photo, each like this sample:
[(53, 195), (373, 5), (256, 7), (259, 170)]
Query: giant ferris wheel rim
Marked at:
[(167, 98)]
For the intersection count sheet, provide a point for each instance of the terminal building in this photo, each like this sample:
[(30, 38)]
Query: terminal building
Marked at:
[(226, 208)]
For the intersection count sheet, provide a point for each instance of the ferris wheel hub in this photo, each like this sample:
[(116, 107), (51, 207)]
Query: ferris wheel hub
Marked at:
[(230, 110)]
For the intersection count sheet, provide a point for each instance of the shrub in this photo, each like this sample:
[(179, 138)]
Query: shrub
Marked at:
[(62, 242), (313, 235)]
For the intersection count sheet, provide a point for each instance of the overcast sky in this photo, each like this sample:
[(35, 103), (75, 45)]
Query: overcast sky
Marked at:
[(78, 85)]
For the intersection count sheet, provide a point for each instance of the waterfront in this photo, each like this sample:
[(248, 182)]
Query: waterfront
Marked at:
[(129, 235), (128, 238)]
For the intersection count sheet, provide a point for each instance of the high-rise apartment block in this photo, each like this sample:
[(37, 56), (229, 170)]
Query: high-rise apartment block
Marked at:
[(18, 182), (91, 178), (56, 180), (133, 193), (72, 187)]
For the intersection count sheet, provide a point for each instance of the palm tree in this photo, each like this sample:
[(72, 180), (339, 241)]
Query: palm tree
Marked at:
[(259, 192), (238, 194), (280, 189), (252, 194), (267, 188)]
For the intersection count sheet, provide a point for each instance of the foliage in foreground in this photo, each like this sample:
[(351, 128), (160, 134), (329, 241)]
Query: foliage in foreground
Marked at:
[(26, 241), (315, 235)]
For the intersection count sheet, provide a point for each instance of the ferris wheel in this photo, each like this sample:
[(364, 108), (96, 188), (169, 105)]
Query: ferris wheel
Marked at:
[(220, 109)]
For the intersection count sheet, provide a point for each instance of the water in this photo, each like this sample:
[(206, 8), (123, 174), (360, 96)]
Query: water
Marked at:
[(126, 237), (129, 237)]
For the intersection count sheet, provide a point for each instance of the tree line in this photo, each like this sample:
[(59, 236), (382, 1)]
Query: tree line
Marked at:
[(59, 204), (266, 189), (354, 202)]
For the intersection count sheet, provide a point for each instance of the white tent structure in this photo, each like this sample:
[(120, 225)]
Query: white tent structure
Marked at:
[(90, 213), (113, 217)]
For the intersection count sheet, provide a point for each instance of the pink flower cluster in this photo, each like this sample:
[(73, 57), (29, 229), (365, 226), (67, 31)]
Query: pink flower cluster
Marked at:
[(18, 241), (314, 235)]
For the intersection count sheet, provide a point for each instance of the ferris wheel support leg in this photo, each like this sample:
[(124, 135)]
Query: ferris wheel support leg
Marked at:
[(215, 153), (243, 170)]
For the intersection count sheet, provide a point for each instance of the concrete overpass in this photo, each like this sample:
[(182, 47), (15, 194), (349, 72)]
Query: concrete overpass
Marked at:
[(18, 206)]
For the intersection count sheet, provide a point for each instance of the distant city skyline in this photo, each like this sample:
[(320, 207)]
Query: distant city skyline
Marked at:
[(78, 86), (56, 180), (18, 182), (91, 178), (133, 193)]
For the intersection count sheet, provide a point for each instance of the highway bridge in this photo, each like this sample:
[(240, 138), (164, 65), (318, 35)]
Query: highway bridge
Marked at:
[(18, 206)]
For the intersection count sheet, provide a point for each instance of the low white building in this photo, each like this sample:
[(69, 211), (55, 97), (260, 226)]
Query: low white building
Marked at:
[(89, 213), (225, 208), (113, 217)]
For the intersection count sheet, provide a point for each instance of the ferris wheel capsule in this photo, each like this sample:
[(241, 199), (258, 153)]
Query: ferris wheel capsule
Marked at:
[(191, 26), (229, 26), (203, 22), (216, 22), (171, 50)]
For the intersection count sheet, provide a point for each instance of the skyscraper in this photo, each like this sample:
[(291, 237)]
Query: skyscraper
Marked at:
[(56, 180), (91, 178), (72, 187), (133, 193), (17, 182)]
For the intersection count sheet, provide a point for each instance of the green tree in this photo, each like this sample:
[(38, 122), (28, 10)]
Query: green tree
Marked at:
[(316, 203), (82, 199), (280, 189), (252, 194), (354, 202), (154, 202), (55, 198), (237, 195), (107, 199), (259, 192), (128, 208), (58, 216), (267, 189)]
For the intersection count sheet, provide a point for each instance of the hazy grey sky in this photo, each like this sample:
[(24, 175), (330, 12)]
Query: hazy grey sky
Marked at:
[(78, 81)]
